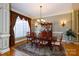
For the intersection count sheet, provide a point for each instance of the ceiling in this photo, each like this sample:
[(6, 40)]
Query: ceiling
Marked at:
[(48, 9)]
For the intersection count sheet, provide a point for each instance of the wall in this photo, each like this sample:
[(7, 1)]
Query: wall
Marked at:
[(33, 24), (57, 28), (56, 22)]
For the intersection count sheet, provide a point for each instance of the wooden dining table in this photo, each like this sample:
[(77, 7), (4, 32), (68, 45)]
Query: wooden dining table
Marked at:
[(45, 38), (42, 37)]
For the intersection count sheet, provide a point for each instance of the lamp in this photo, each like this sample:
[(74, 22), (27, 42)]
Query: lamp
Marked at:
[(63, 23)]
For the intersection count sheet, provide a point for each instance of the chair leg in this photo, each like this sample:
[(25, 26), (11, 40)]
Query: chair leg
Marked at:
[(31, 44), (60, 48), (27, 40), (51, 47)]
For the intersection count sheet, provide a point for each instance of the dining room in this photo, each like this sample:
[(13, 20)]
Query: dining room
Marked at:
[(47, 31), (43, 29)]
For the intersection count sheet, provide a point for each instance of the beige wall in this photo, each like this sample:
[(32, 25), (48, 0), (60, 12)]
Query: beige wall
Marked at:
[(57, 28), (33, 24), (56, 22)]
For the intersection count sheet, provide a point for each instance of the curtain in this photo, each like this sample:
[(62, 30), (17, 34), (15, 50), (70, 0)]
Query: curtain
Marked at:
[(21, 28), (13, 16), (29, 21)]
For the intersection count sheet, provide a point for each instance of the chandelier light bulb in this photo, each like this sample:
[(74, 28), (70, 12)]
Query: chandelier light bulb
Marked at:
[(38, 20), (42, 20)]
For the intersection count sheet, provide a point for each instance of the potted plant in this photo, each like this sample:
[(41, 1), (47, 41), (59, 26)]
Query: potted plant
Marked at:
[(70, 34)]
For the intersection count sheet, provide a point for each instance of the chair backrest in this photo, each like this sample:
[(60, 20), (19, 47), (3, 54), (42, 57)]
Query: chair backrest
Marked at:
[(43, 35), (61, 38), (49, 34), (31, 35)]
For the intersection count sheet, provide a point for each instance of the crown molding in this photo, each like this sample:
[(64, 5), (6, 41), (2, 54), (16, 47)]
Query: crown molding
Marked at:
[(21, 13)]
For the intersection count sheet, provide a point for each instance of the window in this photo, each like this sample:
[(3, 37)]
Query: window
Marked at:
[(21, 28)]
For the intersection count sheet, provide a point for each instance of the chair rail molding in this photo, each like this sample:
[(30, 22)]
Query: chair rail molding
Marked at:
[(4, 35), (4, 27), (58, 32)]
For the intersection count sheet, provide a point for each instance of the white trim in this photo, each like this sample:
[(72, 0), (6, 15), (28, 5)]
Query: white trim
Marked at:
[(58, 32), (21, 13), (4, 35), (17, 11), (55, 14), (20, 40), (76, 42), (4, 50)]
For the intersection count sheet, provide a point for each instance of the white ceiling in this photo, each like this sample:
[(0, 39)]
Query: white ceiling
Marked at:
[(48, 9)]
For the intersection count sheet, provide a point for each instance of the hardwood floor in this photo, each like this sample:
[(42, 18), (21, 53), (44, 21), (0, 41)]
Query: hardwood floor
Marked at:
[(71, 49), (14, 52)]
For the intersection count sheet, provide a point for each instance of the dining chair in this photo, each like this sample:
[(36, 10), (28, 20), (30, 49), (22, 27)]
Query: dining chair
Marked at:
[(31, 37), (42, 39), (57, 42)]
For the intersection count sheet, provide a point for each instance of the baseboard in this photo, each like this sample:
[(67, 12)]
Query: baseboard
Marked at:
[(4, 50), (76, 42), (20, 40)]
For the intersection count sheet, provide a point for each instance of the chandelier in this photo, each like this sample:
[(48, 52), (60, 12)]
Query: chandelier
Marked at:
[(40, 21)]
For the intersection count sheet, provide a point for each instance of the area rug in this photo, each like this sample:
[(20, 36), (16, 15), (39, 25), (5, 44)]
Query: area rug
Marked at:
[(44, 51)]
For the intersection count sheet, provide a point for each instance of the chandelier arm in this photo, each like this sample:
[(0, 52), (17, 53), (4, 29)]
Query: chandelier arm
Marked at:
[(40, 13)]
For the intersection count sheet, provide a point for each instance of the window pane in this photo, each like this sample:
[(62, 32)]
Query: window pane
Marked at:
[(21, 28)]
